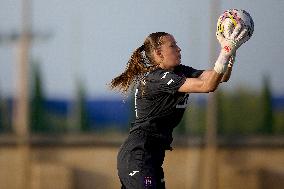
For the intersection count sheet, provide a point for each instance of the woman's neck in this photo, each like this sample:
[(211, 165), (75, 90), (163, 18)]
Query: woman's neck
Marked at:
[(165, 67)]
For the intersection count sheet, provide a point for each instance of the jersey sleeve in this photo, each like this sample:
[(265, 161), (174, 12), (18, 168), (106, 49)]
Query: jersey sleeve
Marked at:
[(168, 82), (187, 71)]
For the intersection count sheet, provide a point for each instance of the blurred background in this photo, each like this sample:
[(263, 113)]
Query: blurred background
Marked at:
[(61, 126)]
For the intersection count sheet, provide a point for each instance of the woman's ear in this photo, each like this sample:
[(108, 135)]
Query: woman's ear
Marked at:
[(158, 54)]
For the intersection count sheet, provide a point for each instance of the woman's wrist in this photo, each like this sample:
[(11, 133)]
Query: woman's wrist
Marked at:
[(221, 63), (226, 53), (230, 65)]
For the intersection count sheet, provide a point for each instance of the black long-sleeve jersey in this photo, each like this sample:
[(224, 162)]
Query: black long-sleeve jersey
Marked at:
[(159, 106)]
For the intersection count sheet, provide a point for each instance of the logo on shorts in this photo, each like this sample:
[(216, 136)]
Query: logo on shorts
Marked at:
[(148, 181), (133, 173)]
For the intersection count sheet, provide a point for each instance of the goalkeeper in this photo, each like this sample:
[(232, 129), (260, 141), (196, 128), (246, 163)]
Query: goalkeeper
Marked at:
[(161, 96)]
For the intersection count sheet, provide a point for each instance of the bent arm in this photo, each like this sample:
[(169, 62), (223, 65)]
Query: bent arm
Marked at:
[(202, 84), (207, 73), (209, 80)]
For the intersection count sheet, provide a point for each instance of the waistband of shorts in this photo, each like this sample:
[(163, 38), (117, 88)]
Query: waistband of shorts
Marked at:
[(164, 141)]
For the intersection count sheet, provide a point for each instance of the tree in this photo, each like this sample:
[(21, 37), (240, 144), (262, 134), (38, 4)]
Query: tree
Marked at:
[(82, 108), (266, 96), (221, 113), (37, 112), (1, 115), (5, 125)]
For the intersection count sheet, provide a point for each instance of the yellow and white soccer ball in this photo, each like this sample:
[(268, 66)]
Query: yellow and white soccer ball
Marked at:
[(233, 17)]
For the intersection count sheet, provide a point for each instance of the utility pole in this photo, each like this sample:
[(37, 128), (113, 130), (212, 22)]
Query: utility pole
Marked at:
[(209, 176), (20, 120), (21, 106), (20, 117)]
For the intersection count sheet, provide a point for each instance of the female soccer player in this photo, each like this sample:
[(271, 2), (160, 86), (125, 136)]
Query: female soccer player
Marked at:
[(161, 95)]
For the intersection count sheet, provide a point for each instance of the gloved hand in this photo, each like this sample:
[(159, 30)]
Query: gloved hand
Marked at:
[(234, 41), (229, 46)]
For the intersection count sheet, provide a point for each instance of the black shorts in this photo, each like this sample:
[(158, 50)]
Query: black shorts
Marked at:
[(139, 163)]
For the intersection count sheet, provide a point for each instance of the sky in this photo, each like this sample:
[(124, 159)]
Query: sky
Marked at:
[(92, 40)]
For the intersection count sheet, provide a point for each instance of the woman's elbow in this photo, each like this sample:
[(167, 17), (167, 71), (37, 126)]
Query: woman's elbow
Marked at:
[(210, 89), (214, 89)]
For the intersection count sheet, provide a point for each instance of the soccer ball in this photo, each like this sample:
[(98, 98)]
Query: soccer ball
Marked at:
[(233, 17)]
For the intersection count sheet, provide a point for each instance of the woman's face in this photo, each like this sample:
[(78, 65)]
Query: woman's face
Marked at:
[(169, 53)]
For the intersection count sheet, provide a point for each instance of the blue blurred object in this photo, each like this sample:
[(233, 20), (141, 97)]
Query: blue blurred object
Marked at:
[(278, 103), (114, 113), (100, 113), (57, 106), (104, 113)]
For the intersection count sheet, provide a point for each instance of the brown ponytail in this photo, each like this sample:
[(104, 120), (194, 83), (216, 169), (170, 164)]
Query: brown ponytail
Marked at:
[(140, 62)]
